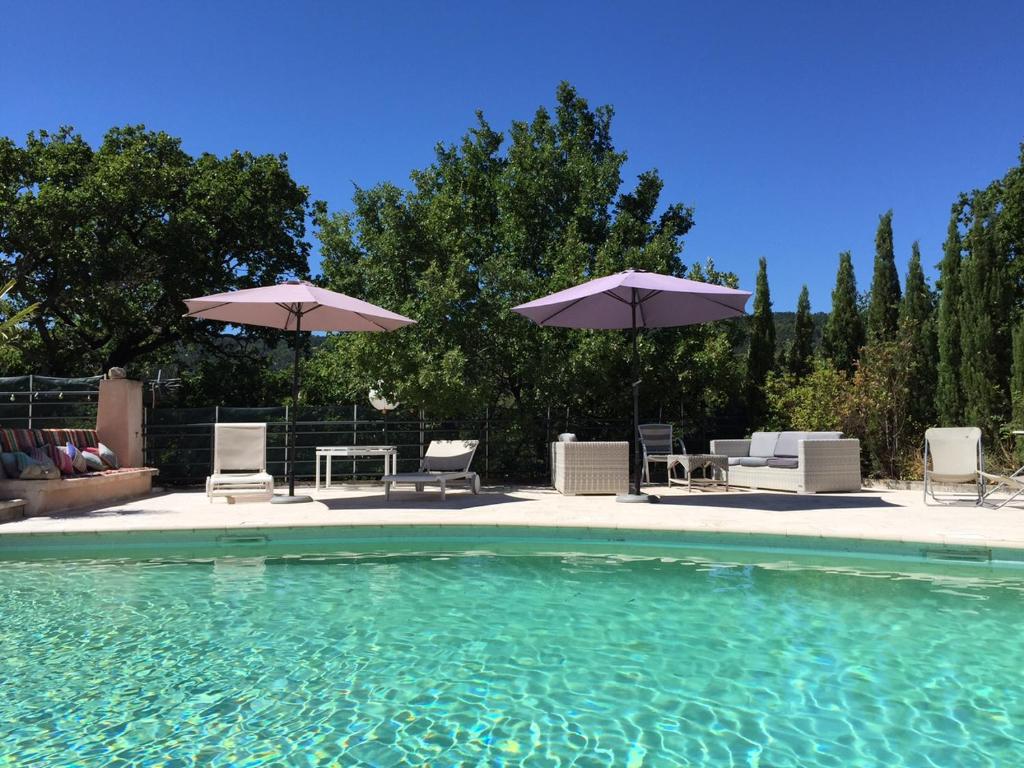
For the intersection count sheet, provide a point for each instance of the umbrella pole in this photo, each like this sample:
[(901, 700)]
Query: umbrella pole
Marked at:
[(291, 498), (635, 495)]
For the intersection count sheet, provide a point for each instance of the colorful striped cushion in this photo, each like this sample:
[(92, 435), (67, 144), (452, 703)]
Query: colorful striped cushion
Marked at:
[(84, 438), (13, 440)]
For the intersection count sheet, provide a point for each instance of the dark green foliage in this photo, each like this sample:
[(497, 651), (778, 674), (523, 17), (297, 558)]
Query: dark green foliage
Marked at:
[(109, 240), (948, 390), (785, 328), (487, 226), (1017, 376), (843, 335), (884, 303), (984, 317), (798, 361), (917, 331), (761, 352)]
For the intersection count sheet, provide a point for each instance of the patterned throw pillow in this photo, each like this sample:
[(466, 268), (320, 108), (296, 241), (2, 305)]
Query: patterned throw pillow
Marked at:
[(27, 467), (61, 458), (42, 456), (109, 457), (92, 459), (77, 459), (10, 464)]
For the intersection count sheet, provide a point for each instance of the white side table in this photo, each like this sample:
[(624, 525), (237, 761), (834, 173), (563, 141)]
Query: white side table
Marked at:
[(329, 452)]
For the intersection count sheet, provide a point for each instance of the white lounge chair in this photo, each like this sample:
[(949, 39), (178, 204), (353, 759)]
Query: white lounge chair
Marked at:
[(445, 461), (239, 462), (956, 459)]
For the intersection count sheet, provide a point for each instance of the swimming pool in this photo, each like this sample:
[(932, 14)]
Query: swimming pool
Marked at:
[(544, 655)]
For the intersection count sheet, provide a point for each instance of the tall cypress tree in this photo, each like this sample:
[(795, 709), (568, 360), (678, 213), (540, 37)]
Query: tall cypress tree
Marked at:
[(883, 309), (798, 359), (844, 331), (1017, 383), (1017, 376), (982, 330), (761, 352), (948, 391), (917, 328)]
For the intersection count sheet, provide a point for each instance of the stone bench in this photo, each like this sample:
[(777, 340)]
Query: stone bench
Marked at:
[(42, 497)]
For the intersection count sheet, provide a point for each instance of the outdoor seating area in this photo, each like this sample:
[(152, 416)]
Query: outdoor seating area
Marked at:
[(69, 469), (804, 462)]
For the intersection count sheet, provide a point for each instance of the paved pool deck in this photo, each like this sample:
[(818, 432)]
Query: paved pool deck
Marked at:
[(872, 515)]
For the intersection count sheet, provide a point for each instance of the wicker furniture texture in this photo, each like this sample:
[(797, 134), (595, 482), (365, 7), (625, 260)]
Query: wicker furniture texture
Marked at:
[(824, 466), (716, 468), (579, 468)]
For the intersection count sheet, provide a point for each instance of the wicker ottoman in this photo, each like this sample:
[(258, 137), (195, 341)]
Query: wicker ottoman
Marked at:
[(579, 468)]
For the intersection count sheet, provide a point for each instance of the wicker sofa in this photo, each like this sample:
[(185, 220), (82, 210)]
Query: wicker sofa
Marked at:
[(579, 468), (805, 462)]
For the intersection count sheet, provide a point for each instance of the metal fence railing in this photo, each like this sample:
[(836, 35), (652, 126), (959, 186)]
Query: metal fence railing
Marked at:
[(513, 445), (48, 402)]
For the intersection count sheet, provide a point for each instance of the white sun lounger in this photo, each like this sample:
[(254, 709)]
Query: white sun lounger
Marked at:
[(239, 462), (446, 461)]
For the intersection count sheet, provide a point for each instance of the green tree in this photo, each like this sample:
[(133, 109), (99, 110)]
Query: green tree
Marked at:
[(948, 391), (917, 329), (108, 241), (1017, 376), (493, 223), (880, 412), (798, 360), (761, 350), (884, 303), (843, 335), (984, 316), (818, 402)]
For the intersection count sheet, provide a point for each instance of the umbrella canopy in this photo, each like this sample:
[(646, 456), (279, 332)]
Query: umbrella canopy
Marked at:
[(294, 306), (660, 301), (636, 299)]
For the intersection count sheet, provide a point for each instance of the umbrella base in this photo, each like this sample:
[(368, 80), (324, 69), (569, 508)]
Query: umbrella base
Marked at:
[(637, 498), (282, 499)]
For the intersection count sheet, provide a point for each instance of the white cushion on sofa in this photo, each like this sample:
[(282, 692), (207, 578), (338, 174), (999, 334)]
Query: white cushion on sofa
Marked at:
[(762, 444)]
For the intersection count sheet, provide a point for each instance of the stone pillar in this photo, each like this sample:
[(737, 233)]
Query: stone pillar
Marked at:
[(119, 419)]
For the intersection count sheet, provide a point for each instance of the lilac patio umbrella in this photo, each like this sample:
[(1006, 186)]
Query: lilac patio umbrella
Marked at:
[(297, 306), (636, 299)]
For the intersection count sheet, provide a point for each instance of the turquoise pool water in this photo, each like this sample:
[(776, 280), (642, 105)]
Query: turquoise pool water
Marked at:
[(589, 659)]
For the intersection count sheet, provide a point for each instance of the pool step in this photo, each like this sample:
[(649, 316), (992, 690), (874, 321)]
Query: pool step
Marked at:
[(233, 540), (959, 554), (12, 509)]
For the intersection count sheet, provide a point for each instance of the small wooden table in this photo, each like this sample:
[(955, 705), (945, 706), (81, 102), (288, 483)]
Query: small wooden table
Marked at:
[(691, 461), (330, 452)]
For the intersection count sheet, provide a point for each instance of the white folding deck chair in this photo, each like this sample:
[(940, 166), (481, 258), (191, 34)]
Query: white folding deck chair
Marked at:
[(656, 440), (239, 462), (445, 461), (956, 459)]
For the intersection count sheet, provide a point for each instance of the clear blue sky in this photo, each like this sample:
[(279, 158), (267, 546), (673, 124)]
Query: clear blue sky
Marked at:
[(789, 126)]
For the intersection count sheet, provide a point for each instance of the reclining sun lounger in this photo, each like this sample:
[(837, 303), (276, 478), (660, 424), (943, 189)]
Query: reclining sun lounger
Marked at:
[(446, 461), (1013, 485), (239, 462)]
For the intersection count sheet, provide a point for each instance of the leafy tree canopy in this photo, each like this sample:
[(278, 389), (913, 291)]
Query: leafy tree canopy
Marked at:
[(109, 240), (488, 226)]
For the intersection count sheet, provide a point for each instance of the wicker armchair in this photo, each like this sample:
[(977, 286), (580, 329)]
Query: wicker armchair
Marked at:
[(579, 468)]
